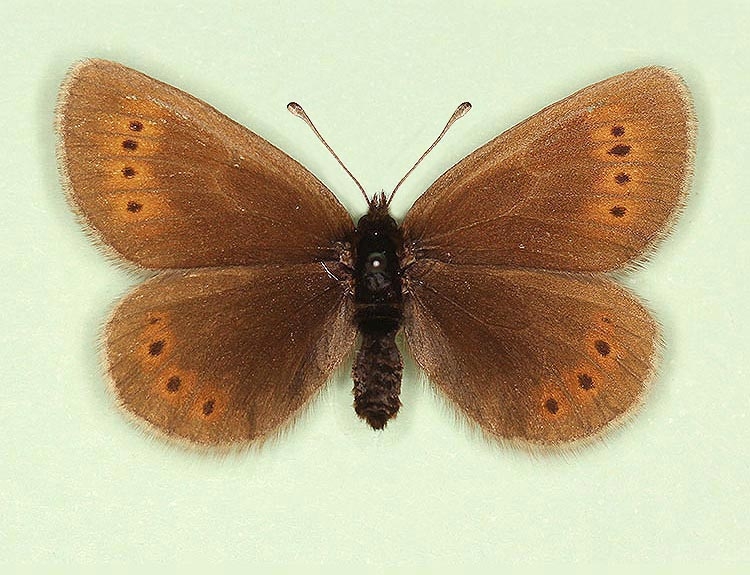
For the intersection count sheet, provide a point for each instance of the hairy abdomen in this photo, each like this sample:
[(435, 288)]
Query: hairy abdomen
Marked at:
[(377, 378)]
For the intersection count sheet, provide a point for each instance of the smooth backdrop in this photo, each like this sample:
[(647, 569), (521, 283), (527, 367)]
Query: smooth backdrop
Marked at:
[(79, 484)]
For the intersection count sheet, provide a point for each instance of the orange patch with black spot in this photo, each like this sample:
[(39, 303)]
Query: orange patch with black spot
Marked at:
[(156, 341), (174, 384), (139, 206), (209, 404)]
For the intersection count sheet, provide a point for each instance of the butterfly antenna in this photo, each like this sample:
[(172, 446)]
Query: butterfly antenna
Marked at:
[(298, 111), (460, 111)]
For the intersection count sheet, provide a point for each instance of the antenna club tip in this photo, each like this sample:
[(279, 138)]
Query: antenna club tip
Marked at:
[(295, 109), (463, 108)]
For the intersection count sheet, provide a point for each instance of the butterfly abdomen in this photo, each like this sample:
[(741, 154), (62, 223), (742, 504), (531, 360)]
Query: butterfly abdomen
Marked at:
[(379, 311), (377, 379)]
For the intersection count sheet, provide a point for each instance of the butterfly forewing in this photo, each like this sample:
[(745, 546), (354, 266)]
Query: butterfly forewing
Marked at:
[(587, 184), (218, 357), (534, 356), (169, 182)]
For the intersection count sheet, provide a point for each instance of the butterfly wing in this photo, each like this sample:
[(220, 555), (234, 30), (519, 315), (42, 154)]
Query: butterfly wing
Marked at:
[(169, 182), (531, 356), (587, 184), (527, 349), (220, 357)]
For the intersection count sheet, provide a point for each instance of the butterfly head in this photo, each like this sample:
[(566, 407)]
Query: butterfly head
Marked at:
[(377, 221)]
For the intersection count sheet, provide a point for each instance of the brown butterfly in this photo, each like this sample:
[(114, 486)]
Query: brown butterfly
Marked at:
[(497, 275)]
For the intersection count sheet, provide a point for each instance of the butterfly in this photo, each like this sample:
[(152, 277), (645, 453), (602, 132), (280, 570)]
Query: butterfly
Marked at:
[(499, 276)]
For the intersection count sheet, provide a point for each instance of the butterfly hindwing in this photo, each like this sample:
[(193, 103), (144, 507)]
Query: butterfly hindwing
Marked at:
[(220, 357), (530, 356)]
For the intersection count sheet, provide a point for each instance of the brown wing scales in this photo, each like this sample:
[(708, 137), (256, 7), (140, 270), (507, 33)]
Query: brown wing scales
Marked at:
[(499, 314), (587, 184), (169, 182), (227, 356), (496, 311), (543, 357)]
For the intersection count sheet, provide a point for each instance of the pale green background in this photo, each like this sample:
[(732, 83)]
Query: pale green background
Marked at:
[(79, 484)]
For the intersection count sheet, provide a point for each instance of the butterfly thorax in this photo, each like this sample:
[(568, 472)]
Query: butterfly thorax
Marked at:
[(377, 273), (379, 311)]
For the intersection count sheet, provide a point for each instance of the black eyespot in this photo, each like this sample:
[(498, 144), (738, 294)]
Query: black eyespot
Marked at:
[(602, 347), (620, 150), (585, 381), (173, 384), (551, 405), (134, 207), (156, 347)]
